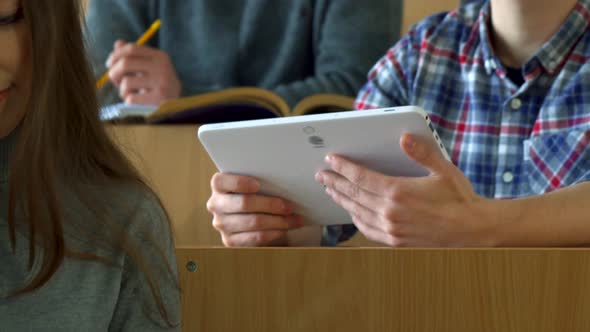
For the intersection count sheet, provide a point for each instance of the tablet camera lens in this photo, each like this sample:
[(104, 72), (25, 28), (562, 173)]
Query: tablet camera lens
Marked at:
[(309, 130)]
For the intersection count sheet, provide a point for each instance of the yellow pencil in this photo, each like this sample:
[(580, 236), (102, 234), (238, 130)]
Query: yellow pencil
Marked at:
[(142, 40)]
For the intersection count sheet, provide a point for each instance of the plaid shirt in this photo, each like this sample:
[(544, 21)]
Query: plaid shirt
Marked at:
[(510, 141)]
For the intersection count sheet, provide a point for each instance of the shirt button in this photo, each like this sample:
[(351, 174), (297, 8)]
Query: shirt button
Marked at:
[(515, 103), (491, 64), (508, 177)]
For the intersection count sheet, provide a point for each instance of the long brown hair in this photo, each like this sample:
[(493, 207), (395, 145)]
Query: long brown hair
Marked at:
[(64, 148)]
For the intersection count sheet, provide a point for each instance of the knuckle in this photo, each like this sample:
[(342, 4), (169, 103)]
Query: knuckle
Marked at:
[(242, 203), (211, 204), (263, 238), (216, 181), (131, 99), (255, 222), (228, 241), (337, 198), (114, 76), (124, 63), (396, 194), (391, 229), (124, 86), (258, 238), (124, 89), (357, 175), (394, 241), (389, 212), (131, 48), (218, 224), (353, 191), (113, 73)]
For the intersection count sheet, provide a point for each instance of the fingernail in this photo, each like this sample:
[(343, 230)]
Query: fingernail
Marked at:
[(108, 63), (410, 143), (319, 178), (329, 158), (329, 191)]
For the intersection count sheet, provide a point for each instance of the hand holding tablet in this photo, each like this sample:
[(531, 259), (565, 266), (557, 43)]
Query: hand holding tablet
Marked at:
[(282, 156)]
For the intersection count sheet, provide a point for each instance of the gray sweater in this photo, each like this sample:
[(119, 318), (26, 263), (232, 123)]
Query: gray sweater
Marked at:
[(296, 48), (87, 295)]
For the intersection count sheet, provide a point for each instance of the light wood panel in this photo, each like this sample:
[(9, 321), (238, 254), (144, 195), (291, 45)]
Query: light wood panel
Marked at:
[(416, 10), (379, 290)]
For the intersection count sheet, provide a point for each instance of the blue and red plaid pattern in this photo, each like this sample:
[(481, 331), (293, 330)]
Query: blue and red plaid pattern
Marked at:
[(510, 141)]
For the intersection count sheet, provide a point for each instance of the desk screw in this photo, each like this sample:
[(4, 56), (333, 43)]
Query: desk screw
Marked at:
[(191, 266)]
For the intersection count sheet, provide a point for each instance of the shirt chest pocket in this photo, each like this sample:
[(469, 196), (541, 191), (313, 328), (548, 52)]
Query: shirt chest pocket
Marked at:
[(557, 160)]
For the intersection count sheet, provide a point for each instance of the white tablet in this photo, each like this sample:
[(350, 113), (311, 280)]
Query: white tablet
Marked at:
[(284, 154)]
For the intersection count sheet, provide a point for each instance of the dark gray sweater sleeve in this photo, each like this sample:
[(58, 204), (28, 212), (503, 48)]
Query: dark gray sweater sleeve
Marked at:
[(349, 37)]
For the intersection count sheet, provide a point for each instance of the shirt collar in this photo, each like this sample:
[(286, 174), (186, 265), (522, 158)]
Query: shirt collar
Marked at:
[(554, 53), (490, 60)]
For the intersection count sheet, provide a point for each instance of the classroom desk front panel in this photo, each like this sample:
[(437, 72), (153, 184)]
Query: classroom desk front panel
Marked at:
[(371, 289)]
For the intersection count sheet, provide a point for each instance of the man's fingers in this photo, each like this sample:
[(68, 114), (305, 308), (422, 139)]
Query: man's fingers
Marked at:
[(240, 223), (129, 66), (354, 208), (373, 233), (237, 203), (142, 97), (425, 153), (255, 239), (229, 183), (347, 188), (119, 43), (131, 85), (362, 177), (122, 51)]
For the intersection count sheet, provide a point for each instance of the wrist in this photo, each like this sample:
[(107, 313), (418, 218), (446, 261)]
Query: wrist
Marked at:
[(498, 219), (508, 223)]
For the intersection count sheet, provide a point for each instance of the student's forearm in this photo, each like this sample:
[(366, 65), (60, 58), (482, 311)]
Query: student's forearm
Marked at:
[(561, 218)]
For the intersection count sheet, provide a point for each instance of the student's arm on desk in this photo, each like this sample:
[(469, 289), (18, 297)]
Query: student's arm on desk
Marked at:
[(560, 218)]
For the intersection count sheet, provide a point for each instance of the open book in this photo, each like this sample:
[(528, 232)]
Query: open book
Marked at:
[(234, 104)]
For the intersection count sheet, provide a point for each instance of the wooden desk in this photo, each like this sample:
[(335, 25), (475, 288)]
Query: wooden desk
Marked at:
[(416, 10), (179, 169), (379, 290)]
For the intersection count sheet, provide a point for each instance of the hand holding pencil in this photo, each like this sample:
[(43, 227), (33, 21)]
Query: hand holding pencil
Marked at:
[(142, 74)]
